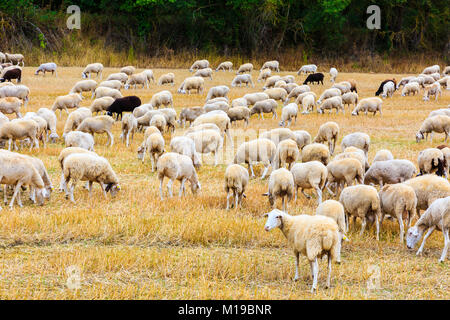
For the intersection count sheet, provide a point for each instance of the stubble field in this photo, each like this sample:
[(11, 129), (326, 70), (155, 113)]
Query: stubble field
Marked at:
[(136, 247)]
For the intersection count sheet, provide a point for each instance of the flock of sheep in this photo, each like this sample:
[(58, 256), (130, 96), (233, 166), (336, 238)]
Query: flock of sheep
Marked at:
[(403, 191)]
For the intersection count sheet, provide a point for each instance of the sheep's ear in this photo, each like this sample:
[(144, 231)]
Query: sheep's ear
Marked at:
[(265, 194), (108, 187)]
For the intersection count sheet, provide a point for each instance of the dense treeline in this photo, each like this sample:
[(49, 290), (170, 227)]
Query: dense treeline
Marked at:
[(249, 27)]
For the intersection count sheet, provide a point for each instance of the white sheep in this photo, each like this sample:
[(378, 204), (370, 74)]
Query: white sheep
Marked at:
[(390, 171), (101, 92), (264, 75), (438, 124), (236, 180), (84, 86), (343, 172), (388, 89), (383, 155), (75, 118), (410, 88), (113, 84), (239, 102), (261, 149), (19, 129), (358, 140), (265, 106), (298, 91), (186, 146), (47, 67), (199, 64), (438, 112), (329, 93), (63, 155), (288, 113), (207, 141), (328, 132), (19, 91), (242, 79), (149, 74), (432, 90), (287, 153), (404, 81), (281, 185), (129, 126), (350, 98), (335, 210), (309, 175), (101, 104), (270, 82), (135, 79), (98, 124), (372, 104), (312, 236), (154, 144), (432, 69), (218, 118), (79, 139), (122, 77), (333, 74), (158, 121), (239, 113), (192, 83), (164, 98), (272, 65), (246, 67), (277, 94), (307, 68), (50, 117), (252, 98), (330, 104), (10, 105), (167, 78), (92, 68), (69, 101), (15, 58), (316, 152), (308, 102), (437, 216), (204, 73), (227, 65), (128, 70), (431, 160), (217, 91), (428, 188)]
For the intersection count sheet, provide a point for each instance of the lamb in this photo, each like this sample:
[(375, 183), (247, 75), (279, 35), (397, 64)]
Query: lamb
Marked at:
[(125, 104), (388, 89), (437, 216), (439, 124), (246, 67), (207, 141), (287, 153), (204, 73), (264, 75), (308, 68), (12, 74), (350, 98), (15, 58), (313, 236), (20, 129), (390, 171), (190, 114), (101, 92), (101, 104), (344, 171), (298, 91), (10, 105), (359, 140), (179, 167), (236, 180), (242, 79), (92, 68), (383, 155), (265, 106), (113, 84), (20, 91), (308, 102), (398, 200), (217, 91), (71, 100), (366, 105), (199, 64), (329, 93), (192, 83), (122, 77), (313, 78), (309, 175), (19, 171), (363, 202), (84, 86), (431, 160), (409, 88), (333, 74), (98, 124), (335, 210), (167, 78), (239, 113), (428, 188), (271, 81), (252, 98), (47, 67), (261, 149), (154, 144), (219, 119), (128, 70), (129, 126), (91, 168), (186, 146), (162, 98), (227, 65), (328, 132), (281, 185), (50, 117), (158, 121), (287, 113), (432, 69), (331, 103), (432, 90), (75, 118), (135, 79), (316, 152), (239, 102)]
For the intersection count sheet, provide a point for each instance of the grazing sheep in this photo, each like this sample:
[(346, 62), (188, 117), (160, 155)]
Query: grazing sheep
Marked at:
[(190, 114), (10, 105), (366, 105), (333, 74), (239, 113), (161, 98), (404, 81), (101, 92), (383, 155), (281, 185), (253, 98), (50, 117), (390, 171), (264, 75), (42, 126), (20, 91), (279, 134), (287, 153), (398, 200), (129, 126), (142, 110), (122, 77), (75, 118), (168, 78), (128, 70), (158, 121), (217, 99), (358, 154), (261, 149), (92, 68), (219, 105), (220, 119), (98, 124), (329, 93), (431, 160), (273, 65), (330, 104), (409, 88), (217, 91), (135, 79), (312, 236), (289, 87), (298, 91), (63, 155), (344, 171), (444, 82), (428, 188), (125, 104), (432, 69), (302, 137), (101, 104), (437, 216), (432, 90), (236, 180), (358, 140), (242, 79), (84, 86), (192, 83), (199, 64), (307, 102), (309, 175), (265, 106), (271, 81), (91, 168), (204, 73), (335, 210), (47, 67), (287, 113), (246, 67), (344, 86), (20, 129), (328, 132), (154, 144), (227, 65), (350, 98), (439, 112), (439, 124), (9, 75), (313, 78), (239, 102), (362, 202), (149, 74), (71, 100), (277, 94), (207, 141), (186, 146), (316, 152), (80, 140), (15, 58), (176, 167), (388, 89), (308, 68), (113, 84)]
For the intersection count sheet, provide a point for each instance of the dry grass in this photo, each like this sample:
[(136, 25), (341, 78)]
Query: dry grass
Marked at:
[(136, 247)]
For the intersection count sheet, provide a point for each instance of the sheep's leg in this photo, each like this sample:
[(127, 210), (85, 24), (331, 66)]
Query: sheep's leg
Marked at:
[(319, 195), (315, 273), (9, 144), (429, 232), (446, 245), (402, 230), (19, 199), (329, 272), (295, 193), (377, 225), (296, 253), (161, 188), (111, 138), (306, 195), (431, 136), (103, 189), (266, 168), (169, 187), (363, 226), (283, 203), (90, 188), (16, 190), (228, 200), (72, 188), (237, 199), (251, 169), (181, 187)]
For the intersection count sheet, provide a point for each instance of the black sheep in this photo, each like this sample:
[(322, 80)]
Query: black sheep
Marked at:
[(12, 74), (315, 77), (380, 88), (125, 104)]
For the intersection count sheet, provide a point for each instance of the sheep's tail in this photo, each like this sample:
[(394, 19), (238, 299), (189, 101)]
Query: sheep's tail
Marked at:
[(323, 179)]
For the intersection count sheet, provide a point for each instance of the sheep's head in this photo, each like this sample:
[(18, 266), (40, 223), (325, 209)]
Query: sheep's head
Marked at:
[(274, 219), (195, 187), (40, 195), (54, 137), (140, 152), (83, 75), (113, 188), (426, 98), (419, 136), (413, 235)]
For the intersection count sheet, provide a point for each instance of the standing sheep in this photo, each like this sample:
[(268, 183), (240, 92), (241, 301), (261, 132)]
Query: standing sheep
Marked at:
[(227, 65), (236, 180), (390, 171), (129, 126), (328, 132), (439, 124), (84, 86), (309, 175), (154, 144), (359, 140), (368, 105), (316, 152), (199, 64), (261, 149), (242, 79), (308, 68), (287, 153), (246, 67), (287, 113), (168, 78), (98, 124), (92, 68), (281, 185), (47, 67), (428, 188), (192, 83)]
